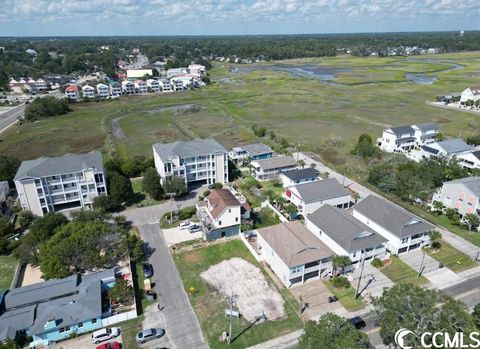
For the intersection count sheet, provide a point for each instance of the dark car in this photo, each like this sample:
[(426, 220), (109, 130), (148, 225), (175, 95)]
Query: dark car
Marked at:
[(147, 270), (150, 334), (358, 322), (332, 299)]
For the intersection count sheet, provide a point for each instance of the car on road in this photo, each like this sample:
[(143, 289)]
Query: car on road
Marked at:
[(147, 270), (184, 225), (194, 228), (358, 322), (110, 345), (149, 334), (105, 334)]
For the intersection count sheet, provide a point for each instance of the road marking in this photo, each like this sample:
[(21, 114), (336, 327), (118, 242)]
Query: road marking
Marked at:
[(465, 294), (373, 330)]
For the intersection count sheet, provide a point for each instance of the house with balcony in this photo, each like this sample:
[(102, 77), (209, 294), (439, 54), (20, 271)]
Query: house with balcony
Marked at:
[(40, 85), (310, 196), (197, 69), (178, 84), (220, 214), (270, 168), (450, 148), (469, 160), (166, 85), (71, 92), (425, 134), (470, 94), (397, 139), (88, 91), (201, 161), (115, 89), (128, 87), (345, 235), (294, 253), (461, 194), (403, 230), (299, 176), (257, 151), (52, 184), (103, 90), (153, 86), (141, 86), (54, 310)]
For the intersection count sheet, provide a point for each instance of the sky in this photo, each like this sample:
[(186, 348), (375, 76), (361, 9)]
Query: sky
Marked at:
[(232, 17)]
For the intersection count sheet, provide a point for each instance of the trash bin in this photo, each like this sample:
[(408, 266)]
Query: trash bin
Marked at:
[(440, 265), (150, 296)]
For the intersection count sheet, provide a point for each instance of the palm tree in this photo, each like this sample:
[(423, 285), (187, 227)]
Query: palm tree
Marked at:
[(435, 236), (313, 165), (340, 262), (301, 163), (438, 207), (472, 220), (356, 197)]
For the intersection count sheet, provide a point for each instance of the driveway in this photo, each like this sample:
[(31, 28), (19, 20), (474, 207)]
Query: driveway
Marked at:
[(82, 342), (373, 281), (180, 322), (176, 235)]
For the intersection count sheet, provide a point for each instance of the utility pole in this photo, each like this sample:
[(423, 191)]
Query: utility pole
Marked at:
[(231, 300), (360, 278), (476, 257), (421, 265)]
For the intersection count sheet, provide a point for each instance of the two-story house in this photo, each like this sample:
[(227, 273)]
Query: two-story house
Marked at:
[(88, 91), (257, 151), (310, 196), (71, 92), (166, 85), (201, 161), (128, 87), (270, 168), (220, 214), (298, 176), (51, 184), (116, 89), (103, 90), (461, 194), (470, 94), (397, 139), (141, 86), (294, 253), (403, 230), (345, 235), (449, 148), (425, 134)]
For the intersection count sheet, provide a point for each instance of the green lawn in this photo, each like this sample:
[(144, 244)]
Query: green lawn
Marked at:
[(452, 258), (129, 330), (140, 198), (401, 273), (346, 296), (7, 270), (265, 218), (274, 186), (209, 306)]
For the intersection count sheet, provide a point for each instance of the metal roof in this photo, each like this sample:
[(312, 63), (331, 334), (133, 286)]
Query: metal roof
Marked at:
[(301, 174), (428, 127), (276, 162), (402, 130), (320, 190), (184, 149), (472, 183), (257, 149), (453, 146)]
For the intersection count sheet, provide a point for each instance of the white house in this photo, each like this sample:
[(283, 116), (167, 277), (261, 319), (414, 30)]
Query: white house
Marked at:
[(88, 91), (71, 92), (134, 74), (116, 89), (166, 85), (153, 85), (40, 85), (449, 148), (103, 90), (128, 87), (345, 235), (178, 84), (200, 161), (298, 176), (470, 160), (141, 86), (294, 253), (197, 69), (425, 134), (403, 230), (256, 151), (270, 168), (470, 94), (461, 194), (220, 214), (51, 184), (173, 72), (406, 138), (310, 196)]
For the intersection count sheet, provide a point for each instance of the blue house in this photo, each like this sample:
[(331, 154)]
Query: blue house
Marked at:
[(51, 311), (257, 151)]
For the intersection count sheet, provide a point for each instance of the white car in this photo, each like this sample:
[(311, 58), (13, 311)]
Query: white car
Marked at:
[(184, 225), (105, 334)]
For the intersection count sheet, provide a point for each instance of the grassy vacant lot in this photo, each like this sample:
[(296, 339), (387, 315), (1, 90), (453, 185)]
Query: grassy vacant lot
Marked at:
[(452, 258), (209, 306), (129, 330), (139, 197), (346, 296), (401, 273), (7, 269)]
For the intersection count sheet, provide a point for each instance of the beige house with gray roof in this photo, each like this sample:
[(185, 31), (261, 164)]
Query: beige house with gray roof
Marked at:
[(270, 168)]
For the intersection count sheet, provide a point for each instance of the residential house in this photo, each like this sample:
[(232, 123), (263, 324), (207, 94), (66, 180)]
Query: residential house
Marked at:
[(469, 160), (135, 74), (257, 151), (197, 161), (310, 196), (115, 89), (397, 139), (298, 176), (40, 85), (56, 309), (166, 85), (171, 73), (294, 253), (425, 134), (345, 235), (270, 168), (153, 85), (103, 90), (51, 184), (461, 194), (88, 91), (470, 94), (220, 214), (178, 85), (197, 69), (449, 148), (403, 230), (71, 92), (17, 87), (141, 86), (128, 87)]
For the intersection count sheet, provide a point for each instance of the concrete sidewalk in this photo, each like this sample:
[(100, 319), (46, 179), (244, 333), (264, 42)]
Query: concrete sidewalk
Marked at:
[(373, 281)]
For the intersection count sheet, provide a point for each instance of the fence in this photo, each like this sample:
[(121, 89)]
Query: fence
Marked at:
[(266, 203), (132, 314), (250, 247)]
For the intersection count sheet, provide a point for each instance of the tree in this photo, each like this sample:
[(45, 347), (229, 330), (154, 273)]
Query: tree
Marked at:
[(438, 207), (476, 314), (435, 236), (25, 218), (419, 310), (332, 332), (120, 187), (340, 262), (46, 107), (6, 227), (472, 220), (313, 165), (105, 204), (121, 292), (301, 163), (175, 185), (366, 148), (8, 168), (151, 184)]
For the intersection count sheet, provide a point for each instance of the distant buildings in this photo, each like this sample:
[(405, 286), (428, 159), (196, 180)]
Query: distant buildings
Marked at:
[(135, 74), (270, 168), (88, 91), (257, 151), (461, 194), (51, 184), (470, 94), (71, 92), (405, 138), (103, 90)]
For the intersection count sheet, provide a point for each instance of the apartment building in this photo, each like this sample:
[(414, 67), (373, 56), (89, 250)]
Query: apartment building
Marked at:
[(51, 184), (198, 161), (88, 91), (128, 87), (153, 85), (461, 194), (71, 92), (103, 90)]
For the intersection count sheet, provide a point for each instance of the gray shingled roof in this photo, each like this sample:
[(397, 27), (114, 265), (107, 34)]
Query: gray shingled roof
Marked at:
[(391, 217), (472, 183), (257, 149), (295, 244), (301, 174), (276, 162), (185, 149), (431, 126), (347, 231), (453, 146), (402, 130), (46, 166), (321, 190)]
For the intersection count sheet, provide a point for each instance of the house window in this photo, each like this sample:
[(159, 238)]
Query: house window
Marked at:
[(67, 328), (229, 210), (61, 330), (80, 324), (236, 219), (404, 240), (94, 321), (219, 222)]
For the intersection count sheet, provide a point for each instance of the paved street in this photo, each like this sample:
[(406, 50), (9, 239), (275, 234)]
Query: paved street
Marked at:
[(10, 117), (373, 281), (181, 324)]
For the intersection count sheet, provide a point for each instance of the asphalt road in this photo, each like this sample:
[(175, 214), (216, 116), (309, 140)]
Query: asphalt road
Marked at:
[(10, 117), (181, 324)]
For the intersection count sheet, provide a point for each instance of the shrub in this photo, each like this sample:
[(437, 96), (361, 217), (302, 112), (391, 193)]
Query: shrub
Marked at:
[(25, 218), (46, 107), (377, 263), (187, 212), (340, 282), (259, 131)]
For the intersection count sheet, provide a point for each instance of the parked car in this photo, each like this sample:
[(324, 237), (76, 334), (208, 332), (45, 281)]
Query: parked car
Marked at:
[(332, 299), (194, 228), (149, 334), (184, 225), (147, 270), (358, 322), (105, 334), (111, 345)]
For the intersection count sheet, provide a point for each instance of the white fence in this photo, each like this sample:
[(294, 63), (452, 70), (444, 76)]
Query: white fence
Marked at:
[(250, 247), (132, 314), (266, 203)]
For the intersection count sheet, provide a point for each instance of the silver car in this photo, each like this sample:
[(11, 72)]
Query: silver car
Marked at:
[(149, 334)]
